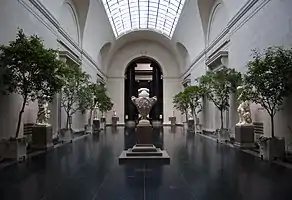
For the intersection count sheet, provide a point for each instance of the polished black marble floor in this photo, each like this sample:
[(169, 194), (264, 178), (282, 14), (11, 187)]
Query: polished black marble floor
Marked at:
[(200, 169)]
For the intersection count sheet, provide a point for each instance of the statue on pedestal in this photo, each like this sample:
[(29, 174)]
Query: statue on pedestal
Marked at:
[(43, 115), (95, 112), (144, 103), (243, 109)]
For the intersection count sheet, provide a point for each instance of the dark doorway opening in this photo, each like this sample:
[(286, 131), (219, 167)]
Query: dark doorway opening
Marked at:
[(143, 72)]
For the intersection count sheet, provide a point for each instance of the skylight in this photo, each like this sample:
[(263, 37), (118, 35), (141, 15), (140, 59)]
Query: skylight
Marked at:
[(129, 15)]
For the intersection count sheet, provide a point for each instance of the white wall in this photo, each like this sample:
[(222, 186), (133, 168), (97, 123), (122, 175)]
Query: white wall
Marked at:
[(25, 15), (264, 23), (116, 71)]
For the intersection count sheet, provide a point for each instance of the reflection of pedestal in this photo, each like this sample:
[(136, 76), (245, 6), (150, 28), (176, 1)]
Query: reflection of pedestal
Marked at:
[(42, 136), (244, 136), (96, 125), (191, 125), (115, 120), (144, 150), (172, 121)]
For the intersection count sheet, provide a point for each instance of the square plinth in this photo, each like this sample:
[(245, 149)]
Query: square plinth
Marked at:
[(42, 137), (244, 136), (129, 157)]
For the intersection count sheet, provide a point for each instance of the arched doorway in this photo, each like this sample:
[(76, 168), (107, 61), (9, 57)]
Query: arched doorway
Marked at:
[(143, 72)]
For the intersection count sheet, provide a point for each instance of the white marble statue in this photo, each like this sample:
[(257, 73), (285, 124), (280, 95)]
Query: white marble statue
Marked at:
[(43, 115), (243, 110), (144, 103)]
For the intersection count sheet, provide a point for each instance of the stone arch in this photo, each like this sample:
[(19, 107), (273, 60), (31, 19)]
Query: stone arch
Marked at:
[(206, 10), (80, 9), (69, 20), (217, 22), (103, 53), (184, 54)]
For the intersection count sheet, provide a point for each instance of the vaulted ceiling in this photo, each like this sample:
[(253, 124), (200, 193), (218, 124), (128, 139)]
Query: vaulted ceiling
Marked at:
[(129, 15)]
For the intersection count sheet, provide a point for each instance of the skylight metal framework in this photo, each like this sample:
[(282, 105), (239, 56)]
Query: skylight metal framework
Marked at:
[(129, 15)]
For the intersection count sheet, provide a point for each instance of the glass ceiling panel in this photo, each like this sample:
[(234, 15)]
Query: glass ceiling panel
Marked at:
[(159, 15)]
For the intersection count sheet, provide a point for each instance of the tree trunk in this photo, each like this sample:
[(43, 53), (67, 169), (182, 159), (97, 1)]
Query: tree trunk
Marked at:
[(20, 117), (221, 118), (90, 118), (67, 121), (272, 124), (186, 112)]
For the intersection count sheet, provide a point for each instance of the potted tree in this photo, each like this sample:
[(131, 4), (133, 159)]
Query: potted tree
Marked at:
[(73, 95), (103, 102), (218, 85), (194, 94), (33, 72), (268, 82), (181, 103)]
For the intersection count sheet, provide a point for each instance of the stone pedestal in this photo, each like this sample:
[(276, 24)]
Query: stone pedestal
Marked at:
[(144, 150), (42, 137), (144, 132), (172, 121), (244, 136), (115, 120), (96, 125)]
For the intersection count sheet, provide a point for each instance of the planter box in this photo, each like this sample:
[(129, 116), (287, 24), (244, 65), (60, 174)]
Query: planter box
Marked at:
[(96, 125), (66, 135), (223, 135), (42, 137), (274, 148), (115, 121), (13, 149)]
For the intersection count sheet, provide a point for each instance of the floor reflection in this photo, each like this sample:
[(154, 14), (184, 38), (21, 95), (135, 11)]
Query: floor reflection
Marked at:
[(200, 169)]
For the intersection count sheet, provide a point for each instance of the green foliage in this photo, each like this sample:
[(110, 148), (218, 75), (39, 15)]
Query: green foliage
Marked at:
[(181, 103), (194, 94), (102, 100), (76, 92), (29, 69), (218, 85), (268, 79)]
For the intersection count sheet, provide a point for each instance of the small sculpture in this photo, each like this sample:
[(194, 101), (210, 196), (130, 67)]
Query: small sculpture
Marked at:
[(43, 115), (143, 102), (114, 113), (243, 109)]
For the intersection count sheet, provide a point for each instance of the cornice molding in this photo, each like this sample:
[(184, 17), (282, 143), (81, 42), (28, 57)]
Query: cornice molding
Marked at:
[(231, 24), (62, 35)]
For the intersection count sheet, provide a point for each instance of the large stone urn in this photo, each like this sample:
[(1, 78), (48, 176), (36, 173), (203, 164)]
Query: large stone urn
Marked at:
[(144, 104)]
